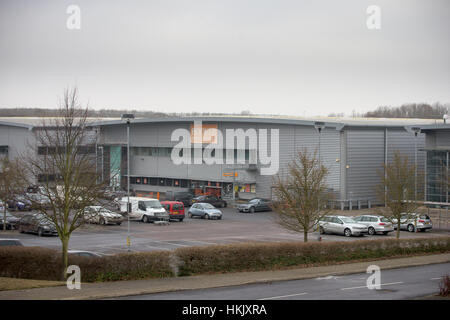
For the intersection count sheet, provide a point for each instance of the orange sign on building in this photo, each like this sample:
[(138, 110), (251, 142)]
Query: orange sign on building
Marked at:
[(206, 133)]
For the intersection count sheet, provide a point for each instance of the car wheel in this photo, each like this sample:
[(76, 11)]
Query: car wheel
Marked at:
[(321, 230), (181, 220), (252, 210), (102, 221), (119, 223), (145, 219), (385, 233), (219, 218), (347, 232), (190, 215), (39, 233), (206, 216), (21, 229), (371, 231), (411, 228)]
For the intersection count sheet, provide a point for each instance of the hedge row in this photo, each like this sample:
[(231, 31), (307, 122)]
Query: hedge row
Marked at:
[(267, 256), (45, 264)]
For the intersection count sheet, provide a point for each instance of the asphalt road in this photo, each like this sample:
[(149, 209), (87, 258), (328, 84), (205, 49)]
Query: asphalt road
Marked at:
[(403, 283), (233, 228)]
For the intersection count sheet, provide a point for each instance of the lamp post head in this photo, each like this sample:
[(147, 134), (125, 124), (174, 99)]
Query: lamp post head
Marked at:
[(416, 130), (127, 117), (319, 125)]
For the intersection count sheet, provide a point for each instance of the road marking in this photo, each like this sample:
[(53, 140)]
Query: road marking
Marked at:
[(435, 279), (288, 295), (383, 284)]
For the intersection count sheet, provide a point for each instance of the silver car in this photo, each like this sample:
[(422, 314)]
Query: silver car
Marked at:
[(412, 221), (204, 211), (341, 225), (375, 224)]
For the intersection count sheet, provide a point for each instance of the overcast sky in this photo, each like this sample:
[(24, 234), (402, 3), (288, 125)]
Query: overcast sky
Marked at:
[(294, 57)]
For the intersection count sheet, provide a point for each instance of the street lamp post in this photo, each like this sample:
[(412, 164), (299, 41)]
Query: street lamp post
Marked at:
[(319, 126), (416, 131), (128, 117)]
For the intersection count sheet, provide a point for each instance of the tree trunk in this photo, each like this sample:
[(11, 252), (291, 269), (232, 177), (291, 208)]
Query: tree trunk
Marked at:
[(397, 235), (4, 217), (65, 258), (305, 236)]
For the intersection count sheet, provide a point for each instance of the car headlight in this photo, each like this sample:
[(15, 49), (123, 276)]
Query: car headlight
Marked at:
[(46, 227)]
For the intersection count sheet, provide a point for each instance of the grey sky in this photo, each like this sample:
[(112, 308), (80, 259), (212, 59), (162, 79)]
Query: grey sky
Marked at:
[(278, 56)]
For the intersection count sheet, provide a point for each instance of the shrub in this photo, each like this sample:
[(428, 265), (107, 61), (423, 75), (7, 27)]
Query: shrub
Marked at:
[(266, 256), (45, 264), (444, 286)]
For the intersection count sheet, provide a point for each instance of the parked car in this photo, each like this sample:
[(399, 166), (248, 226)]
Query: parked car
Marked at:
[(38, 224), (175, 209), (144, 209), (38, 200), (341, 225), (11, 221), (19, 203), (216, 202), (411, 221), (101, 215), (255, 205), (375, 224), (87, 254), (181, 196), (10, 242), (204, 211)]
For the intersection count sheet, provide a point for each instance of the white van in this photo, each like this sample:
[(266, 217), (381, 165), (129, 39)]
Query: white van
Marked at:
[(144, 209)]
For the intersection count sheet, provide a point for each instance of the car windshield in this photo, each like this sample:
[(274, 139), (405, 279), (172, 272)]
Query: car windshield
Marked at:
[(384, 220), (207, 206), (424, 216), (253, 201), (347, 220), (155, 204), (104, 210)]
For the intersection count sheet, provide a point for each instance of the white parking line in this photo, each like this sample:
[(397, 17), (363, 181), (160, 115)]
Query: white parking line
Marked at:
[(435, 279), (288, 295), (383, 284)]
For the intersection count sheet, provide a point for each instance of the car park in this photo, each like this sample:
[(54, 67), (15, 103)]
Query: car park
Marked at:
[(10, 242), (213, 200), (11, 221), (375, 224), (38, 224), (101, 215), (175, 209), (341, 225), (413, 221), (204, 211), (254, 205), (144, 209)]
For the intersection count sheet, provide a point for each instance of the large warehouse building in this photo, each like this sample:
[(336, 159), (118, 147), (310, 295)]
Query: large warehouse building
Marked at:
[(353, 150)]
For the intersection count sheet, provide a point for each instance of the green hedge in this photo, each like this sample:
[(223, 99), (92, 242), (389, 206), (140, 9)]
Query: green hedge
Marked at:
[(267, 256), (45, 264)]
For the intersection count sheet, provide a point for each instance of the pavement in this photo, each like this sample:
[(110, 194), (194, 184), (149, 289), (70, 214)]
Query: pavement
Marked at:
[(151, 286)]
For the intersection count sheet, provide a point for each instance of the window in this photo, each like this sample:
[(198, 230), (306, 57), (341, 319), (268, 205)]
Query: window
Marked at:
[(153, 181), (3, 150)]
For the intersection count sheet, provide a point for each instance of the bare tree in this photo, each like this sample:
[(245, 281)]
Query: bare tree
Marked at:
[(11, 183), (397, 189), (64, 161), (302, 196)]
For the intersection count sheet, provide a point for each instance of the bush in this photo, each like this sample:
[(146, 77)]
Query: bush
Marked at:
[(444, 286), (45, 264), (267, 256)]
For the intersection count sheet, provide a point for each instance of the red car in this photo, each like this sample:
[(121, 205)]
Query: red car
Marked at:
[(175, 209)]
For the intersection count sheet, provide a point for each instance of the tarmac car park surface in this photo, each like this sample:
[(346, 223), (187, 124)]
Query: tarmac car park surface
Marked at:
[(234, 227)]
